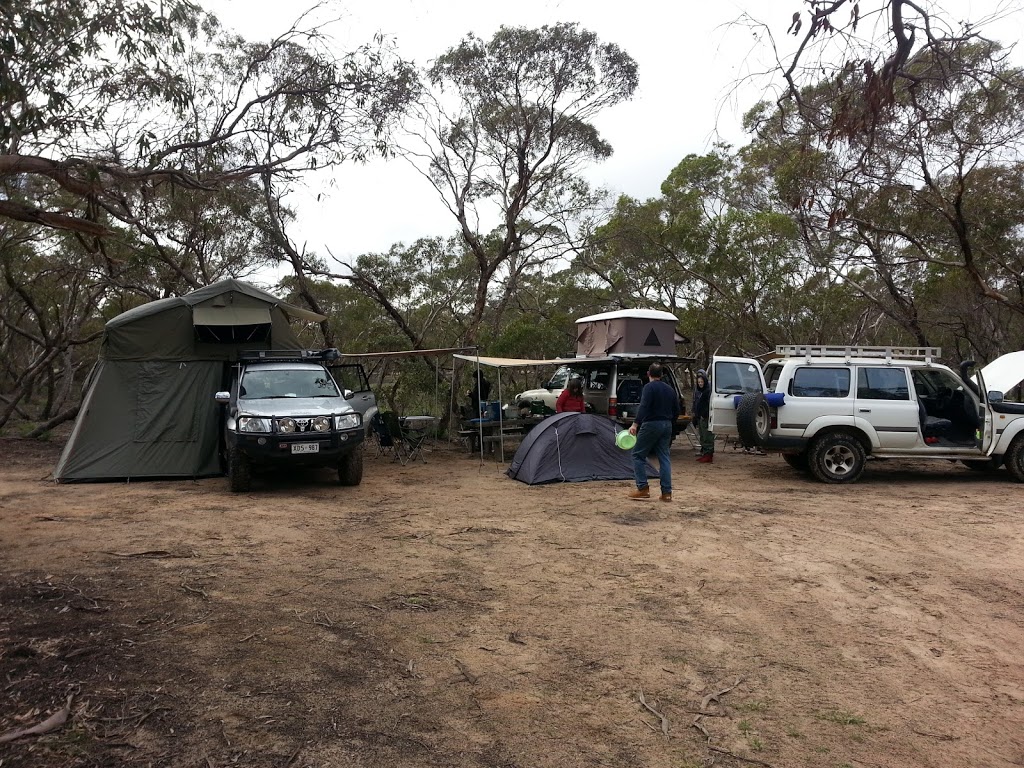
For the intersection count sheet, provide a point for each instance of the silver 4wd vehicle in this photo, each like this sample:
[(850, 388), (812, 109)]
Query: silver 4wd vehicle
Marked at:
[(611, 385), (285, 409), (828, 408)]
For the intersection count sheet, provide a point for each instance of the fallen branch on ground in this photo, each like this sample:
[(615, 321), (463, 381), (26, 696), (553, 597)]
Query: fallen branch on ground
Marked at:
[(53, 722), (653, 711), (154, 553)]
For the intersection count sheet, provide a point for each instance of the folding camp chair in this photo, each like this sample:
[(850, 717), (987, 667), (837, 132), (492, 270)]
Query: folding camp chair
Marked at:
[(413, 440), (388, 432)]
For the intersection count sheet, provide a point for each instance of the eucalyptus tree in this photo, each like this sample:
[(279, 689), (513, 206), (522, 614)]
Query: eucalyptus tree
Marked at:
[(719, 251), (930, 196), (107, 103), (505, 138)]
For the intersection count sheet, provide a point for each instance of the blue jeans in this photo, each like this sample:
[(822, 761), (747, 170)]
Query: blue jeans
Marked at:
[(653, 437)]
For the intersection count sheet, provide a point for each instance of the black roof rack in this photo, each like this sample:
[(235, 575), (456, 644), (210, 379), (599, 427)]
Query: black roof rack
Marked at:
[(288, 355)]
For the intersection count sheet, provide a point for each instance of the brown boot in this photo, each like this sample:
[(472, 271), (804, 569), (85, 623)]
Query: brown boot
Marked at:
[(640, 493), (666, 497)]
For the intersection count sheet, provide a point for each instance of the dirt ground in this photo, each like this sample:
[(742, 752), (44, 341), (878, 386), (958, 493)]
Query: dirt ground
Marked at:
[(441, 614)]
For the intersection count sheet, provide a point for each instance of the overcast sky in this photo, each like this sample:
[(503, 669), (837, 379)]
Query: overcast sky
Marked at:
[(690, 56)]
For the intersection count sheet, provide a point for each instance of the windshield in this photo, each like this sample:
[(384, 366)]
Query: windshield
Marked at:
[(262, 385)]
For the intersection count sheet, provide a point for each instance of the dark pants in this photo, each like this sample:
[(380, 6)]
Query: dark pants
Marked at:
[(707, 437), (653, 437)]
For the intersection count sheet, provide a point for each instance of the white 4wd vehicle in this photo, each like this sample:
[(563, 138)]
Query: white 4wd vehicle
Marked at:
[(828, 408)]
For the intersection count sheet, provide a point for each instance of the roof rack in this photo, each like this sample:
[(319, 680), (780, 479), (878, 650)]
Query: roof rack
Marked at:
[(809, 351), (288, 355)]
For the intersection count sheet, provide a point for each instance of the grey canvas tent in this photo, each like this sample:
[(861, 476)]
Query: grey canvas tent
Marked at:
[(148, 410), (572, 448)]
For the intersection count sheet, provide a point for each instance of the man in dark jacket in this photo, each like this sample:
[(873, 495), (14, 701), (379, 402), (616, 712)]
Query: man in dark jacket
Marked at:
[(659, 408), (701, 417)]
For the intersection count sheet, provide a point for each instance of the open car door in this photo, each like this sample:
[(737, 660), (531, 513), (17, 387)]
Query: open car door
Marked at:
[(731, 376), (986, 437)]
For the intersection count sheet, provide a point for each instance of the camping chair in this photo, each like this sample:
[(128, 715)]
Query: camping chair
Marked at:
[(388, 432), (412, 440)]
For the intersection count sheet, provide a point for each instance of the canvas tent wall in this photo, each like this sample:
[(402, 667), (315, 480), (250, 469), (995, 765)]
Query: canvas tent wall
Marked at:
[(572, 448), (627, 332), (149, 410)]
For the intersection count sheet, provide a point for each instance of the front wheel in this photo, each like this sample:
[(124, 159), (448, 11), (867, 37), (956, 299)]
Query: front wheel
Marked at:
[(350, 468), (239, 471), (837, 458), (1014, 459)]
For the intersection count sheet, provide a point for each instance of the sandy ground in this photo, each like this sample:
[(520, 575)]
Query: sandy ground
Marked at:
[(441, 614)]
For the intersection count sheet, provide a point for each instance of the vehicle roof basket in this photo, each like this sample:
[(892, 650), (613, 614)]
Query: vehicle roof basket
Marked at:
[(811, 351), (288, 355)]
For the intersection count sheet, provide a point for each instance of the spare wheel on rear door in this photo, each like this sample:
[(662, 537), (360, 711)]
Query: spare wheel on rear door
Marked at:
[(753, 420)]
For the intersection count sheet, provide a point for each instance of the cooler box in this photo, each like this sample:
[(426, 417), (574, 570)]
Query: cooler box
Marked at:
[(490, 410)]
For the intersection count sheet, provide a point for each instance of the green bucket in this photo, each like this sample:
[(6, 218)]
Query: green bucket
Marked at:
[(624, 440)]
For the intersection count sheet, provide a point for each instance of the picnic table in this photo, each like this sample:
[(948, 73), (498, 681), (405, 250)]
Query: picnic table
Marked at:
[(493, 431)]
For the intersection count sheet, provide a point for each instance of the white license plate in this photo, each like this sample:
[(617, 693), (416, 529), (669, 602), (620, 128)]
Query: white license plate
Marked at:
[(305, 447)]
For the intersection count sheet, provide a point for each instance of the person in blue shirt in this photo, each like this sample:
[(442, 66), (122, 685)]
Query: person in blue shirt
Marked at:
[(659, 408)]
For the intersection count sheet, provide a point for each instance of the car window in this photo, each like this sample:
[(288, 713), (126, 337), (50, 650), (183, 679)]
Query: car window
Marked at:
[(820, 382), (597, 379), (771, 375), (257, 385), (882, 384), (735, 378), (560, 378), (351, 377)]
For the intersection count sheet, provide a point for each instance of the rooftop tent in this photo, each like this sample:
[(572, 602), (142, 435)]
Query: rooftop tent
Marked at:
[(148, 410), (627, 332), (572, 448)]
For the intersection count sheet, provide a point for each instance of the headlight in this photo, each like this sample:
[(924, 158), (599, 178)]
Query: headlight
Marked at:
[(321, 424), (287, 426), (348, 421), (253, 424)]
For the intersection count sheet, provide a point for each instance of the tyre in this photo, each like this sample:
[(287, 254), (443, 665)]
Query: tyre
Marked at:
[(837, 458), (1014, 459), (239, 471), (983, 465), (350, 468), (753, 420), (798, 461)]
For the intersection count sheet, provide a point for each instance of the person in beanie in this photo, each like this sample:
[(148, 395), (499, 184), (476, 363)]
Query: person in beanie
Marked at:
[(659, 408), (701, 415)]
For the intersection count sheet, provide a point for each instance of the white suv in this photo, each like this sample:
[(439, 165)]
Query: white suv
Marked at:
[(828, 408)]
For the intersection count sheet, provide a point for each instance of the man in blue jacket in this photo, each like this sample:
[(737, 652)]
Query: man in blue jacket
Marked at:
[(659, 408)]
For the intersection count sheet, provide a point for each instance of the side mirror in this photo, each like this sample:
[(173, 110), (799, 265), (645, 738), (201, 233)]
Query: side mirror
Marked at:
[(222, 397), (995, 397), (348, 394)]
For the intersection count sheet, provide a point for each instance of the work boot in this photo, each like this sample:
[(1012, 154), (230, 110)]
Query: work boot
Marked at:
[(707, 458), (640, 493), (666, 497)]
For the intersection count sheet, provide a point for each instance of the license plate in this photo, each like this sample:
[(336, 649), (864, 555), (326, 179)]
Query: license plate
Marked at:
[(305, 447)]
